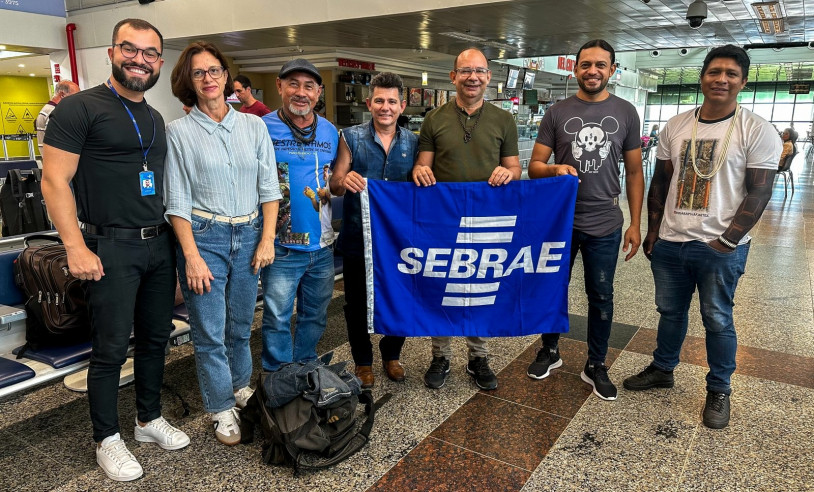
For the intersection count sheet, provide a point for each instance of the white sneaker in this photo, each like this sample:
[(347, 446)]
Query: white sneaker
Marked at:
[(161, 432), (116, 461), (242, 396), (226, 426)]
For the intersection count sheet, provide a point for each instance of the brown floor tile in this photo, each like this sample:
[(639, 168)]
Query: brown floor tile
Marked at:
[(561, 393), (502, 430), (572, 352), (439, 466), (751, 361)]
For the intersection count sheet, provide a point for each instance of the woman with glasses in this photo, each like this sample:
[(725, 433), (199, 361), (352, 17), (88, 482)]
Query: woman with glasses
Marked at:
[(220, 167)]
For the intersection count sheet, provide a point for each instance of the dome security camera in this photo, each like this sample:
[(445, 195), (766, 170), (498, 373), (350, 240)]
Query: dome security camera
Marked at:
[(683, 52), (655, 53), (645, 2), (696, 14), (811, 45)]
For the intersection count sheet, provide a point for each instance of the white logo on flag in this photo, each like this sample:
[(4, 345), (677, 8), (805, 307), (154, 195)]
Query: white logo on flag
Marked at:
[(466, 263)]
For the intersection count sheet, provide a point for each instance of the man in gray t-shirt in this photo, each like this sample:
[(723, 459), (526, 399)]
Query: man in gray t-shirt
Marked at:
[(588, 133)]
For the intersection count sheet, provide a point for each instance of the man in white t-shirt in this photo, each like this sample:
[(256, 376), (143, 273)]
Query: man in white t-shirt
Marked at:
[(713, 178)]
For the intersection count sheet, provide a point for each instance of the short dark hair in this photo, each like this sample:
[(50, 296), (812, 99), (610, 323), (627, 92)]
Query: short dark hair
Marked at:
[(181, 78), (598, 43), (139, 25), (244, 81), (728, 51), (387, 80)]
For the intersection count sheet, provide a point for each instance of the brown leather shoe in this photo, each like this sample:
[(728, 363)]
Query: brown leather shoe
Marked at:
[(365, 374), (394, 370)]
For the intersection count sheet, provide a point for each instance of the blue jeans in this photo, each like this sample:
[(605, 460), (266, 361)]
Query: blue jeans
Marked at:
[(220, 321), (678, 268), (599, 256), (310, 276)]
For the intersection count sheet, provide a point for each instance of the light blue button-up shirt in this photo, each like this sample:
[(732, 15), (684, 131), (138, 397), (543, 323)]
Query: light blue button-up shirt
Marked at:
[(225, 168)]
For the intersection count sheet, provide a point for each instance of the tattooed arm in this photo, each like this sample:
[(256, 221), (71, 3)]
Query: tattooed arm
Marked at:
[(656, 198), (759, 184)]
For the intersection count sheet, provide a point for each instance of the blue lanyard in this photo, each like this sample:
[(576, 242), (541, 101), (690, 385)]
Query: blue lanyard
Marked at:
[(133, 119)]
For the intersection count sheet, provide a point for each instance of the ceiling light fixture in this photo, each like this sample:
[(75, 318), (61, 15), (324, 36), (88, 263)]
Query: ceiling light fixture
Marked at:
[(32, 75), (463, 36), (2, 47), (655, 53), (770, 17), (21, 65), (683, 52)]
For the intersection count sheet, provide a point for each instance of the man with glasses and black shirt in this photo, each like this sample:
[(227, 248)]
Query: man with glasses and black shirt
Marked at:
[(466, 140), (714, 175), (304, 143), (111, 145)]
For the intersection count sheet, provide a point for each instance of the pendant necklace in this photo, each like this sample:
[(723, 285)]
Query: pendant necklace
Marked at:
[(469, 131), (719, 162)]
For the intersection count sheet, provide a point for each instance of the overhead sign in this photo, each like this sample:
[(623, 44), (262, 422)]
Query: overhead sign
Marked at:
[(800, 88), (358, 64), (44, 7)]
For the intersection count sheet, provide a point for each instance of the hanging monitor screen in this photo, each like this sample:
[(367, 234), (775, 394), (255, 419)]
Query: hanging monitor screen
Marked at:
[(528, 80), (511, 80)]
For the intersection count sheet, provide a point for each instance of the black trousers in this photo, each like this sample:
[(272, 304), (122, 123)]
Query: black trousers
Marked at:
[(356, 317), (136, 294)]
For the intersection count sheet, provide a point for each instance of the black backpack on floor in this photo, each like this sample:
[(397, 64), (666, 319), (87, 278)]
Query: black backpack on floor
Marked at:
[(22, 205), (300, 433)]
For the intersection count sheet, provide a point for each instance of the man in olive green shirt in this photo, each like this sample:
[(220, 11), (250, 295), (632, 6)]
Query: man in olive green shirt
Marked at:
[(466, 140)]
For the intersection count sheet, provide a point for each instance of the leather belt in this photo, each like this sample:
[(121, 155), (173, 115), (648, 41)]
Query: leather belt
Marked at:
[(240, 219), (125, 232)]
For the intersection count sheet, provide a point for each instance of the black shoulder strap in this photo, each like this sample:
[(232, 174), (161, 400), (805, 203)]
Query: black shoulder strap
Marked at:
[(354, 444), (15, 179)]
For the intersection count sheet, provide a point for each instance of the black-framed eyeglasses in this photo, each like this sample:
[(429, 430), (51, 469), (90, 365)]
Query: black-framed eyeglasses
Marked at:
[(214, 72), (466, 72), (150, 55)]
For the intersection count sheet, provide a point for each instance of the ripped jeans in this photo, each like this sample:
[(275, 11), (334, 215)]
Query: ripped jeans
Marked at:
[(599, 255)]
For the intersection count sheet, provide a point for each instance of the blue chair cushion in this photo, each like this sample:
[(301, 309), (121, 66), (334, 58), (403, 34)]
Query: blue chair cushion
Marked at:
[(10, 295), (58, 357), (12, 372)]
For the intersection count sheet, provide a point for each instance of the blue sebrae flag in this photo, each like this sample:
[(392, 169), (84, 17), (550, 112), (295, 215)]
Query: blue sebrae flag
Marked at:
[(468, 259)]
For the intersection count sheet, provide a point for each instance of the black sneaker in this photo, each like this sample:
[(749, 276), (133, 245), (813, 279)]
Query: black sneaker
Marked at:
[(650, 377), (597, 376), (479, 369), (547, 359), (716, 410), (436, 375)]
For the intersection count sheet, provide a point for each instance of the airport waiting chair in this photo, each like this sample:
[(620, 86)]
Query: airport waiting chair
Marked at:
[(788, 175)]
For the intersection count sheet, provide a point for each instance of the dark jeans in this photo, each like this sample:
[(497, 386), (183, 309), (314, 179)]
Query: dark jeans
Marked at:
[(599, 255), (136, 294), (356, 317), (680, 268)]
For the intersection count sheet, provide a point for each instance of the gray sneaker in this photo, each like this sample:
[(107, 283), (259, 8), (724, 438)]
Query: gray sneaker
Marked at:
[(650, 377), (716, 410)]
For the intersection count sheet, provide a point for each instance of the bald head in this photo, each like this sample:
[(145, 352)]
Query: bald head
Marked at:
[(64, 89), (471, 55)]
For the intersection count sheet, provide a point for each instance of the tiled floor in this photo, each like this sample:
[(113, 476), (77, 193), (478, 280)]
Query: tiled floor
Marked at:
[(526, 435)]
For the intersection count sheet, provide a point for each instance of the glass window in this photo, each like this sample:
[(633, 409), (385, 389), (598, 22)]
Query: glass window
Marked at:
[(783, 94), (670, 95), (747, 94), (683, 108), (688, 94), (764, 93), (668, 111), (764, 111), (651, 113), (806, 97), (783, 112), (804, 111)]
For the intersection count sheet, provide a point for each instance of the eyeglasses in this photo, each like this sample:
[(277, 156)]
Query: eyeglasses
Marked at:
[(150, 55), (466, 72), (214, 72)]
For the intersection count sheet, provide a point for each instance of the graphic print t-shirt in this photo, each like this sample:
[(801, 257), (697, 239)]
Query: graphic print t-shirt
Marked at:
[(700, 208), (591, 137), (304, 220)]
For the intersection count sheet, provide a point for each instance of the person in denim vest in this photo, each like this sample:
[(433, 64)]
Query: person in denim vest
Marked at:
[(379, 149), (220, 167)]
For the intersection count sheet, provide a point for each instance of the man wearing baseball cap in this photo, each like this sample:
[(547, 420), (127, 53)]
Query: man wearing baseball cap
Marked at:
[(304, 143)]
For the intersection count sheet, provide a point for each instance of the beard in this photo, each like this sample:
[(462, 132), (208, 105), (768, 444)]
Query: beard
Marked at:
[(585, 89), (133, 84), (299, 112)]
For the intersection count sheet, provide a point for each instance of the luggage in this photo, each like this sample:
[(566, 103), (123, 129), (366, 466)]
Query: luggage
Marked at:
[(56, 309), (312, 430), (22, 205)]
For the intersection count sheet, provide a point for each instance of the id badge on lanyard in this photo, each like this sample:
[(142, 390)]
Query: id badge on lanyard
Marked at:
[(146, 177)]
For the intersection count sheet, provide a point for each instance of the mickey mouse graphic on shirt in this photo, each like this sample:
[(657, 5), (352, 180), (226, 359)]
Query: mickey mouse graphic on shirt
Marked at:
[(591, 144)]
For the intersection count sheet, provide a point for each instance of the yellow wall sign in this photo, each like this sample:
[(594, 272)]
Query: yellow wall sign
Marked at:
[(20, 103)]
